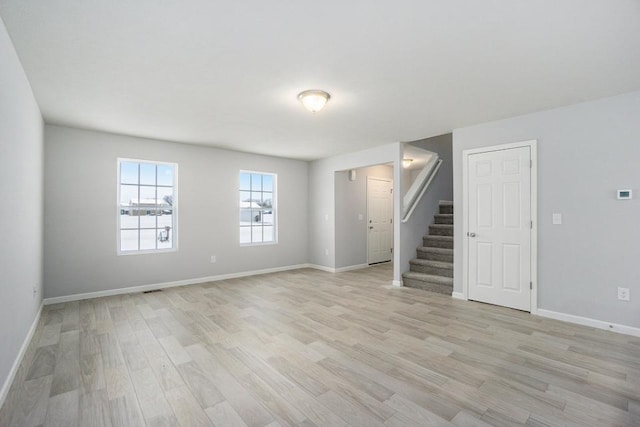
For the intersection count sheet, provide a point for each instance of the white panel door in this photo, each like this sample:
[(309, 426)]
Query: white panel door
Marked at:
[(499, 228), (379, 220)]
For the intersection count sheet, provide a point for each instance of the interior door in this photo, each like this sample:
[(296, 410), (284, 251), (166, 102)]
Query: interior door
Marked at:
[(499, 227), (379, 220)]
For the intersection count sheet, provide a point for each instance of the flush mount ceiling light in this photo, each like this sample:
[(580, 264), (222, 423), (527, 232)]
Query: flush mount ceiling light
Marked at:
[(313, 100), (406, 162)]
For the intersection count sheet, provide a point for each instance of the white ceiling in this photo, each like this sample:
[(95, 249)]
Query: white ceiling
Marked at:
[(226, 73)]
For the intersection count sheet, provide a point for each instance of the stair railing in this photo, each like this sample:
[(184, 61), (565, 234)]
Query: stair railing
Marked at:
[(420, 186)]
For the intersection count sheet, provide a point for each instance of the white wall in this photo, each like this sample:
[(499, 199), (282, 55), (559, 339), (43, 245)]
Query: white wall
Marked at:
[(585, 152), (80, 211), (322, 198), (21, 214), (441, 188), (351, 201)]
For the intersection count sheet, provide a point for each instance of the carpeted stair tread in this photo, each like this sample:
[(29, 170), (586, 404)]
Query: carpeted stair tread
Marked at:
[(435, 254), (442, 238), (444, 219), (443, 251), (441, 230), (442, 226), (429, 287), (428, 278), (439, 264), (446, 207), (438, 241), (431, 267)]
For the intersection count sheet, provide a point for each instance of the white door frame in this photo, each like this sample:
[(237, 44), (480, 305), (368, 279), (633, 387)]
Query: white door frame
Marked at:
[(392, 215), (532, 144)]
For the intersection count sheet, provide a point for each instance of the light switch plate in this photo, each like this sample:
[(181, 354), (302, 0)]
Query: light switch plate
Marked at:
[(623, 294), (556, 218)]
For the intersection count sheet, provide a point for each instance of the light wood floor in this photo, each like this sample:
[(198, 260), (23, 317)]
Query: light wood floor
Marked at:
[(312, 348)]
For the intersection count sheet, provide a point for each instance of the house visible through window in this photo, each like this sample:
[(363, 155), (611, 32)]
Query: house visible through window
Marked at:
[(147, 206), (257, 207)]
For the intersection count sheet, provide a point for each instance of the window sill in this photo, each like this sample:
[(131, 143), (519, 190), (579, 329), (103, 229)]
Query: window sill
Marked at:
[(258, 244), (154, 251)]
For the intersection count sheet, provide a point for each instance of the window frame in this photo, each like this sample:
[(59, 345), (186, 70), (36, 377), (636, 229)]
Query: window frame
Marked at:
[(274, 207), (174, 206)]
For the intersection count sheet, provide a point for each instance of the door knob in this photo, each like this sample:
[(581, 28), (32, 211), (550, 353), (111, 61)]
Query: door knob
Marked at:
[(471, 234)]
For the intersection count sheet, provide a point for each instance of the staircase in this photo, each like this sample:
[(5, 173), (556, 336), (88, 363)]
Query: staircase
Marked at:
[(433, 269)]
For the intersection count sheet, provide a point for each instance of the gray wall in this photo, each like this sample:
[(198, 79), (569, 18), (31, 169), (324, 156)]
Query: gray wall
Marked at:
[(80, 212), (441, 188), (351, 201), (21, 214), (585, 152)]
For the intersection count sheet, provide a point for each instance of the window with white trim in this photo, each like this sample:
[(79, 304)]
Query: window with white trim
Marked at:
[(257, 208), (147, 206)]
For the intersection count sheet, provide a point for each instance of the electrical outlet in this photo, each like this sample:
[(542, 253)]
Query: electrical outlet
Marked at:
[(35, 290), (623, 294), (360, 217), (213, 259), (326, 251)]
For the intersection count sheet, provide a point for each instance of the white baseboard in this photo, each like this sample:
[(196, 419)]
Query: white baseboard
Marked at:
[(351, 267), (458, 295), (593, 323), (154, 286), (322, 268), (397, 283), (142, 288), (338, 270), (16, 363)]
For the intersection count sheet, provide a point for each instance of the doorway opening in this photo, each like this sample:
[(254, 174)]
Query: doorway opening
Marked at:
[(364, 217)]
